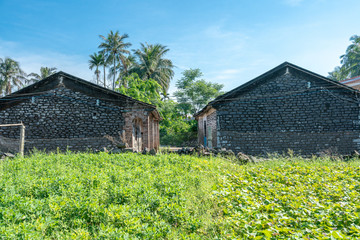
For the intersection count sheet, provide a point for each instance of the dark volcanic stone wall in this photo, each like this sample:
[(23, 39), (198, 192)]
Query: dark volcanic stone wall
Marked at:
[(65, 119), (290, 111)]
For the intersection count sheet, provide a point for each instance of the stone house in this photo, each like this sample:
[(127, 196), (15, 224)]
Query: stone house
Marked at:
[(66, 112), (285, 108)]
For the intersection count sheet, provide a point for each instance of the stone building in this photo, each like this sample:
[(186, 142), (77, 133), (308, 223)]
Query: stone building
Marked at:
[(285, 108), (66, 112)]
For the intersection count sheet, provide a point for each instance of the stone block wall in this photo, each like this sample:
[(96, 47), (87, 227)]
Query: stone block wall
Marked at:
[(62, 118), (290, 111)]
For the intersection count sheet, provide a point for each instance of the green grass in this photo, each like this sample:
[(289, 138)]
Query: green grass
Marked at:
[(130, 196)]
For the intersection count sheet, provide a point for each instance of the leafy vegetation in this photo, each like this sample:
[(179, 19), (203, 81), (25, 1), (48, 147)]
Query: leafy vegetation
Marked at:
[(176, 129), (350, 62), (153, 65), (10, 75), (148, 62), (146, 91), (44, 73), (114, 49), (194, 93), (96, 61), (293, 199), (130, 196)]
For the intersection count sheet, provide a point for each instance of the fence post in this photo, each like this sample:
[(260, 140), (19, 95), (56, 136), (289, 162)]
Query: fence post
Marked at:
[(22, 139)]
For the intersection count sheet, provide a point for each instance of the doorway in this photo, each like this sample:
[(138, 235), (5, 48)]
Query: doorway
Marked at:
[(136, 135)]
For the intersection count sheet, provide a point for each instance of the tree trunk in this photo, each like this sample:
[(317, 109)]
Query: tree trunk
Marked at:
[(114, 75), (8, 90), (104, 77), (97, 75)]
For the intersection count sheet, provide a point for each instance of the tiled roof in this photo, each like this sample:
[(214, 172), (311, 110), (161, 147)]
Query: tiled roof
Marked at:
[(351, 80)]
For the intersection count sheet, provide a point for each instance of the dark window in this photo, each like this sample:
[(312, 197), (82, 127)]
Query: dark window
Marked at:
[(205, 128)]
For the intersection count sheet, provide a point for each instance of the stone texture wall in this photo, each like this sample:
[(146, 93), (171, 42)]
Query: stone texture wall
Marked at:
[(149, 128), (211, 125), (62, 118), (290, 111)]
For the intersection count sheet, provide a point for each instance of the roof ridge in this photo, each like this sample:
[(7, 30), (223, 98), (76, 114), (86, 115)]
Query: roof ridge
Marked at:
[(52, 77), (272, 71)]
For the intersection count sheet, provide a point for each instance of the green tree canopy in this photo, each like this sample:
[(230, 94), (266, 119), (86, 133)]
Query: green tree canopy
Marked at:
[(350, 62), (10, 75), (194, 93), (96, 61), (114, 48), (351, 59), (44, 73), (152, 64), (146, 91)]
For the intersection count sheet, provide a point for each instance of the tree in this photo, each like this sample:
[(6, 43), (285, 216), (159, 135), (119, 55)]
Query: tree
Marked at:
[(195, 93), (152, 64), (146, 91), (176, 129), (350, 62), (338, 74), (114, 49), (124, 70), (11, 75), (351, 59), (104, 62), (44, 73), (95, 62)]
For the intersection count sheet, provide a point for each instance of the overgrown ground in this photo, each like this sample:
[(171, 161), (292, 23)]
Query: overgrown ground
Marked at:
[(129, 196)]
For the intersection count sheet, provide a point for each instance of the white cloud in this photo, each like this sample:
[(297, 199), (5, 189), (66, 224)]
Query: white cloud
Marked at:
[(31, 61), (225, 74)]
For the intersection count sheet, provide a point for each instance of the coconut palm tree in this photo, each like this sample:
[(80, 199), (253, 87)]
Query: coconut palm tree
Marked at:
[(351, 59), (114, 48), (44, 73), (338, 74), (104, 62), (95, 62), (152, 64), (11, 75), (124, 68)]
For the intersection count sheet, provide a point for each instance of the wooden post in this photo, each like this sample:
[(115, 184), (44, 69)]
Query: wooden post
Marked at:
[(22, 139), (22, 135)]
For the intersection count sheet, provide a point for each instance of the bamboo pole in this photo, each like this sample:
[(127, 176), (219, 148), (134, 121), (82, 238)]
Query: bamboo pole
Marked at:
[(11, 125)]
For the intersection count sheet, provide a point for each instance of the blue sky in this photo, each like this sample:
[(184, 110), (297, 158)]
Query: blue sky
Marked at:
[(231, 41)]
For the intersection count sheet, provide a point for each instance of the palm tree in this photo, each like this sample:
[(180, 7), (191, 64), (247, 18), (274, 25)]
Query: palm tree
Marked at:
[(96, 61), (104, 62), (114, 48), (44, 73), (338, 74), (152, 64), (351, 59), (11, 75), (125, 67)]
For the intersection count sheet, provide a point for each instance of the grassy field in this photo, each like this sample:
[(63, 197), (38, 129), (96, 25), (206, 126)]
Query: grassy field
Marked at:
[(130, 196)]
